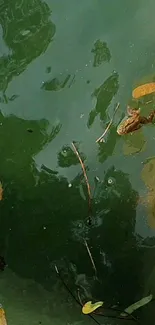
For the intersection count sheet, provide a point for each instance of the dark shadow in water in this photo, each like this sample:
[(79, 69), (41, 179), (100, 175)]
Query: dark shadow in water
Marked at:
[(27, 31), (37, 205), (104, 95), (44, 220), (101, 53)]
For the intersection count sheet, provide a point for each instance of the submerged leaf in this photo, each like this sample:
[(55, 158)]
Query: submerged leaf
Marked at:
[(143, 90), (89, 307), (136, 305)]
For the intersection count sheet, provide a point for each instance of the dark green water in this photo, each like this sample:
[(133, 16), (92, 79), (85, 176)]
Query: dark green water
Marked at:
[(63, 67)]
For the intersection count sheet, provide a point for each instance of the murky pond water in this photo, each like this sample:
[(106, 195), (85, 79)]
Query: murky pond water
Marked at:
[(63, 67)]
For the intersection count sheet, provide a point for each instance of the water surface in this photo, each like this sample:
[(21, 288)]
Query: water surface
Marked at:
[(63, 67)]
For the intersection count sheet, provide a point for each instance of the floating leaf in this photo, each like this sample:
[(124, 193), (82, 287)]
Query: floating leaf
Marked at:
[(143, 90), (89, 307), (136, 305), (2, 317)]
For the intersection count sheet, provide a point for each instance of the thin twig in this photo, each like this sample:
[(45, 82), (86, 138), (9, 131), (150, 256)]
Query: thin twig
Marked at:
[(87, 182), (90, 255), (78, 293), (100, 139)]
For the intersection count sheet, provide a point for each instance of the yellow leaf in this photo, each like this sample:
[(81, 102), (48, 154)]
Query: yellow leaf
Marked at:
[(2, 317), (89, 307), (143, 90)]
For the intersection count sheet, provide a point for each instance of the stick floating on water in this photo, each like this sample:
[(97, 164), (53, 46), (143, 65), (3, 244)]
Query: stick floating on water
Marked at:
[(87, 182), (101, 138), (90, 255)]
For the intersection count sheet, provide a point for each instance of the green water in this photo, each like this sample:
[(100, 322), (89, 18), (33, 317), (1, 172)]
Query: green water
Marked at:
[(63, 67)]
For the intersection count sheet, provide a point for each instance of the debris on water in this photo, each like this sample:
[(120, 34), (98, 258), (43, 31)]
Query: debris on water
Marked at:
[(89, 307), (48, 69), (1, 192), (64, 153), (25, 32), (2, 316), (87, 183), (101, 138), (97, 179), (136, 305), (69, 185), (143, 90), (82, 115), (13, 97), (91, 257), (29, 130), (110, 181), (58, 83)]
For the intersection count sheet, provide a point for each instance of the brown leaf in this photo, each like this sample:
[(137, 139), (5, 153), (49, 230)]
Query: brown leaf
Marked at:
[(1, 192)]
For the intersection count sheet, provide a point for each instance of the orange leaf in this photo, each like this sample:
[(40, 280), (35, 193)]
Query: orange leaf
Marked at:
[(143, 90)]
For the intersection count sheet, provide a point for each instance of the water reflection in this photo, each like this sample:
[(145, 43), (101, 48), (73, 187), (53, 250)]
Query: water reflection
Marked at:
[(20, 141), (101, 53), (104, 95), (67, 157), (27, 31), (37, 204)]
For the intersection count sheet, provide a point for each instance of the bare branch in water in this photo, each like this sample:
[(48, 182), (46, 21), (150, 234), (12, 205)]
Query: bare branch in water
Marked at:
[(87, 182), (90, 255), (101, 138)]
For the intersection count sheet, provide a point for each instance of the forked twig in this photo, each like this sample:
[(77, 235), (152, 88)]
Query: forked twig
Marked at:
[(87, 182), (100, 139), (90, 255)]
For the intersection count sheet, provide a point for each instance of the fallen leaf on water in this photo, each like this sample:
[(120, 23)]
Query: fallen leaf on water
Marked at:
[(143, 90), (136, 305), (2, 317), (89, 307), (1, 192)]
